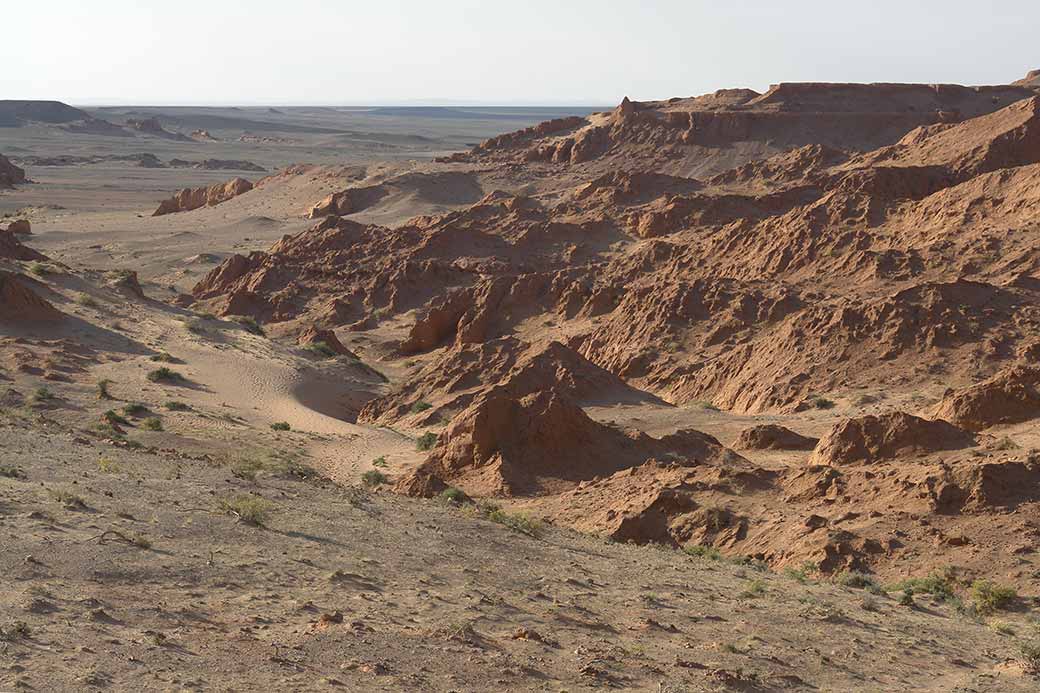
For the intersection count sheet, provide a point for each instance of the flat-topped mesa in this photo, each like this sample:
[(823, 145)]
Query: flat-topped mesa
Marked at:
[(696, 135), (189, 199), (1032, 79)]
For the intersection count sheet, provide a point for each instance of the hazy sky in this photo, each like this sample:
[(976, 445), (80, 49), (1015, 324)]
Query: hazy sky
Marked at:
[(492, 52)]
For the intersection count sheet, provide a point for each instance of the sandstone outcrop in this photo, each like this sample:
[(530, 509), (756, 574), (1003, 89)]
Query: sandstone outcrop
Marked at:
[(773, 437), (870, 439), (20, 304), (1011, 396), (190, 199)]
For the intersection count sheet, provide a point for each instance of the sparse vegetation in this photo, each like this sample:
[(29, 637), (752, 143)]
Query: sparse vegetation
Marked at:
[(68, 499), (939, 585), (426, 441), (165, 375), (373, 478), (517, 522), (11, 472), (107, 466), (379, 462), (321, 349), (988, 596), (102, 389), (165, 358), (421, 407), (821, 402), (174, 405), (250, 324), (858, 580), (15, 630), (454, 495), (39, 269), (43, 394), (251, 510), (113, 418), (1005, 443), (281, 426), (86, 300), (153, 423), (801, 573), (135, 409), (700, 551), (753, 589)]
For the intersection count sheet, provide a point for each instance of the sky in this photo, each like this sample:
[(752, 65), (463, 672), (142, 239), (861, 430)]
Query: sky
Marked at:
[(533, 52)]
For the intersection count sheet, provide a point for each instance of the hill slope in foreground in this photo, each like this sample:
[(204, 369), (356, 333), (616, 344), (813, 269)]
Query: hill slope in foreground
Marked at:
[(610, 401)]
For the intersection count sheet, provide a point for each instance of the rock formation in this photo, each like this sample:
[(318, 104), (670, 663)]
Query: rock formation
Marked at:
[(10, 175), (193, 198), (19, 304), (1011, 396), (773, 437), (870, 439)]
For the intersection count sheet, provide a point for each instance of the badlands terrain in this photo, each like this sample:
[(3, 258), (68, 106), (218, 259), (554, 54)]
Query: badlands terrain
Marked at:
[(727, 392)]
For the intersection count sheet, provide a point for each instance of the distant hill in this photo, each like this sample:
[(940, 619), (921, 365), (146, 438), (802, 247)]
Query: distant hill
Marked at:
[(18, 113), (480, 113)]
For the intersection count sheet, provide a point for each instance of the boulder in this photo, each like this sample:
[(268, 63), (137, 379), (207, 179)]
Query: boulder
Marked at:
[(21, 227)]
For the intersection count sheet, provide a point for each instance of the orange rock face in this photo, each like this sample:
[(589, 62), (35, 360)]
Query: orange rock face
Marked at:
[(874, 438), (193, 198), (19, 304), (764, 253)]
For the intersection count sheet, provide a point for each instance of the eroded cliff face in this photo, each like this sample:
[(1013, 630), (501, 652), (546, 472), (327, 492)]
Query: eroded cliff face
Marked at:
[(835, 237), (194, 198)]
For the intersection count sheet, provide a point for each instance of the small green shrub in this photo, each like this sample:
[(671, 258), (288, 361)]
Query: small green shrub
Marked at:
[(39, 269), (517, 522), (803, 572), (821, 402), (165, 358), (165, 375), (252, 510), (250, 324), (373, 477), (135, 409), (174, 405), (701, 551), (43, 394), (989, 596), (113, 418), (421, 407), (379, 462), (86, 301), (858, 580), (9, 471), (321, 349), (153, 423), (939, 585), (454, 495), (102, 389), (247, 469), (753, 589), (281, 426), (426, 441)]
